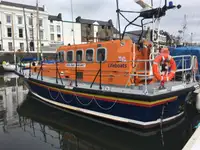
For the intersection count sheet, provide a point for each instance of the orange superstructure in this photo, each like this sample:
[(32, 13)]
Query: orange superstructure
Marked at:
[(115, 59)]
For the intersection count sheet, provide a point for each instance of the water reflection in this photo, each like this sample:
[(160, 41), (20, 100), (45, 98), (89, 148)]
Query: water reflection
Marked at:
[(43, 127), (65, 131), (12, 93)]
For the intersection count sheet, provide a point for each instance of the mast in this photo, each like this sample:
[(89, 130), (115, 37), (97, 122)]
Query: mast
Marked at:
[(13, 39), (37, 28), (118, 18), (152, 3), (72, 22), (184, 27), (27, 49), (41, 54), (32, 32), (191, 38)]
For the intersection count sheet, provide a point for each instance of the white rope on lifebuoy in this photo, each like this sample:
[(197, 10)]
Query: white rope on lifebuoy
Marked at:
[(106, 109), (52, 96), (68, 102), (81, 102)]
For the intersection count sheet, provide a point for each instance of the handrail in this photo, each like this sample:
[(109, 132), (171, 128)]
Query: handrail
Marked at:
[(144, 74)]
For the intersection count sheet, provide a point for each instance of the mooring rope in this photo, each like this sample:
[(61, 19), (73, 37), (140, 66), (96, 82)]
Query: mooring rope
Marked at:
[(161, 125)]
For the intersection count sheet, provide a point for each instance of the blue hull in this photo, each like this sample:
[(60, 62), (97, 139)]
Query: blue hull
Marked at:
[(136, 113)]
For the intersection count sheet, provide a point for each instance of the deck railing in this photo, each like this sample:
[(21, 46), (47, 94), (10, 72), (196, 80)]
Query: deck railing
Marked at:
[(185, 64)]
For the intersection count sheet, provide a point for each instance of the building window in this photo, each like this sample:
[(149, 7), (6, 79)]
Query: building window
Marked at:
[(31, 44), (58, 37), (58, 29), (30, 21), (79, 55), (9, 32), (19, 20), (41, 34), (21, 33), (51, 21), (69, 56), (51, 28), (10, 46), (31, 33), (21, 46), (89, 54), (8, 18), (52, 37), (40, 22), (101, 54)]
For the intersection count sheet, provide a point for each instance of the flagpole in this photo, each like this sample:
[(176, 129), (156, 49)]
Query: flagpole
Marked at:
[(37, 33), (13, 38), (27, 49)]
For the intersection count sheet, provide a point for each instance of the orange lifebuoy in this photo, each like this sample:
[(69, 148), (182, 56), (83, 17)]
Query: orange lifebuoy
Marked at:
[(156, 71), (195, 67)]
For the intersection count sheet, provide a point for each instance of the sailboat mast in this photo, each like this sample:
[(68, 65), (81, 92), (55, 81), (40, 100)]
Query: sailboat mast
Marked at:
[(152, 3), (118, 18), (72, 22), (13, 38), (27, 49), (32, 32), (37, 28)]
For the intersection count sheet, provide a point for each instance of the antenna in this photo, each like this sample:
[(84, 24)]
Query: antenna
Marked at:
[(118, 18), (165, 3)]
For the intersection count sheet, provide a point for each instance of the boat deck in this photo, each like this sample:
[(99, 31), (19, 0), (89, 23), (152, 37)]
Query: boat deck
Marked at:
[(150, 90)]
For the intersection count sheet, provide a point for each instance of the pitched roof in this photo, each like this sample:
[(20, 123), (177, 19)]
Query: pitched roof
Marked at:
[(55, 18), (21, 5), (88, 21)]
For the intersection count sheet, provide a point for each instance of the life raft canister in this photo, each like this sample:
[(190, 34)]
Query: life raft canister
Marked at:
[(172, 64)]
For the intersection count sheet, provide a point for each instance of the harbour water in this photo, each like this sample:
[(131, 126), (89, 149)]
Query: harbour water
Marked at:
[(28, 124)]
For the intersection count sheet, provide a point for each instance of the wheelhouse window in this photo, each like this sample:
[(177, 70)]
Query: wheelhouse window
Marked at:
[(79, 55), (61, 56), (89, 54), (69, 56), (101, 54)]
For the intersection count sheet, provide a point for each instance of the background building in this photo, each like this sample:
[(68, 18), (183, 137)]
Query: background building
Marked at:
[(13, 31), (18, 28)]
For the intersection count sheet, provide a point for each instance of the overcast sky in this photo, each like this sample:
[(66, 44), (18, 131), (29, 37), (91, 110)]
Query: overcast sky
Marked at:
[(106, 9)]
